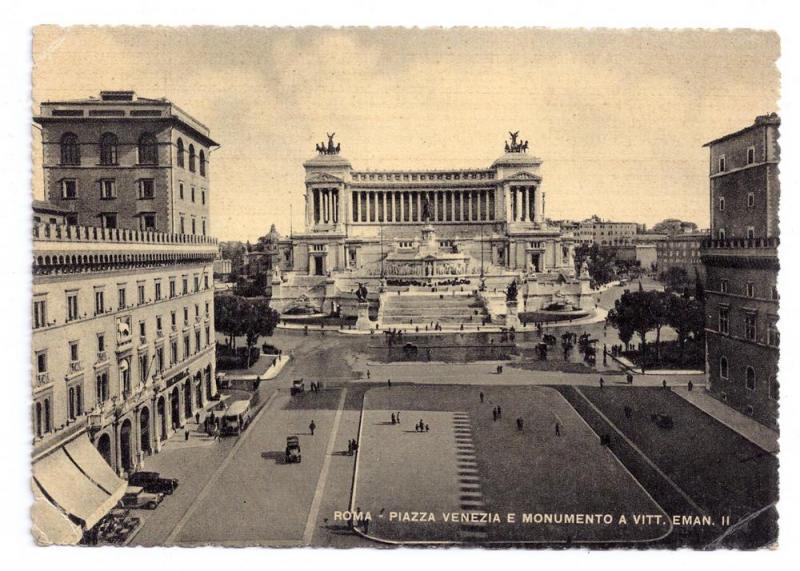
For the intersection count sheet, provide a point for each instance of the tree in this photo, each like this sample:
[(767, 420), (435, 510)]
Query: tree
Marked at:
[(260, 320), (632, 313), (228, 313), (659, 304), (675, 278), (686, 317)]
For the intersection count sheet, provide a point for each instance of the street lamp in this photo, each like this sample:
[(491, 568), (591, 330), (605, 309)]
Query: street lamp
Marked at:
[(483, 281)]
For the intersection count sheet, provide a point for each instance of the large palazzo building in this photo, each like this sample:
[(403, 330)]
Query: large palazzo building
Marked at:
[(123, 343), (741, 263), (421, 229)]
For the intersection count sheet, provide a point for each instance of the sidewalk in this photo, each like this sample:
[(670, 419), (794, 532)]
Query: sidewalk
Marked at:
[(627, 364), (760, 435), (263, 370)]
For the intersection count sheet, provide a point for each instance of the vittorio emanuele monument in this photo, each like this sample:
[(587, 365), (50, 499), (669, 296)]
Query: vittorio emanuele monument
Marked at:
[(456, 247)]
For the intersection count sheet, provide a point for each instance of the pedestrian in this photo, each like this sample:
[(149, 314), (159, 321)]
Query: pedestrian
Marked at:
[(520, 424), (494, 414), (398, 417), (558, 429), (197, 417), (427, 428), (664, 383), (499, 412), (690, 386), (186, 434), (312, 427), (368, 374), (393, 419), (416, 428), (350, 447), (602, 382), (389, 383), (355, 445), (481, 395)]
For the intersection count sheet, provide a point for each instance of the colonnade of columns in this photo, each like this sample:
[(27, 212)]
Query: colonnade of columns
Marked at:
[(408, 205), (325, 207), (524, 204)]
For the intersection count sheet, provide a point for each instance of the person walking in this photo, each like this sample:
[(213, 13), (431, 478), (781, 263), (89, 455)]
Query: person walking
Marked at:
[(481, 396), (368, 374), (494, 414), (350, 447), (664, 383), (427, 428), (312, 427), (558, 429), (398, 417), (394, 421), (520, 424), (389, 383), (186, 434), (690, 386), (197, 417), (602, 382), (499, 412)]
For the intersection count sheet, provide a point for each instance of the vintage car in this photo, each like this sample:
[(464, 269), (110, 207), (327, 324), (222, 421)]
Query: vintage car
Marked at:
[(153, 482), (136, 497), (662, 420), (298, 387), (292, 450)]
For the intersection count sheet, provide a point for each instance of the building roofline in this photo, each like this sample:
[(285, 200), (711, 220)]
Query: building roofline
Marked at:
[(761, 121)]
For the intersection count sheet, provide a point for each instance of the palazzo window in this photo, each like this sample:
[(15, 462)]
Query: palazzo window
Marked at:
[(148, 149), (108, 149), (70, 150)]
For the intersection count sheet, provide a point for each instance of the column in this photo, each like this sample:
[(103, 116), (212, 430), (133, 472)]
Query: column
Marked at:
[(419, 206), (336, 205), (402, 207), (354, 200), (538, 204), (507, 203), (390, 206), (436, 206)]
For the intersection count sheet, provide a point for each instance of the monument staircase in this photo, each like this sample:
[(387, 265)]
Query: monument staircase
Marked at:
[(417, 308)]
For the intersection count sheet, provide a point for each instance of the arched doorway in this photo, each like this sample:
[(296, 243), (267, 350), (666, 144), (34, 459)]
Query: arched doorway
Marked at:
[(104, 448), (161, 411), (209, 392), (198, 390), (144, 430), (187, 399), (125, 446), (175, 406)]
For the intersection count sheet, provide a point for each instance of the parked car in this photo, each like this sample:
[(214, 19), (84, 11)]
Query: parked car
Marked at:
[(136, 497), (662, 420), (153, 482)]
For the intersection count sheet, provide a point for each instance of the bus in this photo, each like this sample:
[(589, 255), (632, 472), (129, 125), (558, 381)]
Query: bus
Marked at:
[(236, 417)]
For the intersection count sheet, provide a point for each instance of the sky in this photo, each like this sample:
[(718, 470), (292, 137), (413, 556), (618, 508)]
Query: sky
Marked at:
[(617, 117)]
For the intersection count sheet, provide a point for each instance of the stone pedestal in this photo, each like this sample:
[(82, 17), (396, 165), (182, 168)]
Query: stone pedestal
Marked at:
[(363, 322), (512, 315)]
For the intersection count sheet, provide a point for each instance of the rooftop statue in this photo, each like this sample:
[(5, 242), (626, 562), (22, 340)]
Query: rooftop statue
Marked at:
[(330, 148), (516, 146)]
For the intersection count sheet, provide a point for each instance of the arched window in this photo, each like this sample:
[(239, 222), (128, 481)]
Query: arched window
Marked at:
[(202, 163), (750, 378), (108, 149), (38, 419), (47, 422), (70, 151), (191, 158), (723, 368), (181, 153), (148, 149)]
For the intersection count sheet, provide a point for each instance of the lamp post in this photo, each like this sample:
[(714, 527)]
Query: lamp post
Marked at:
[(483, 281)]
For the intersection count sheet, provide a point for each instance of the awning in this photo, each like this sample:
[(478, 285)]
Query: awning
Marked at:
[(84, 454), (72, 490), (49, 525)]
